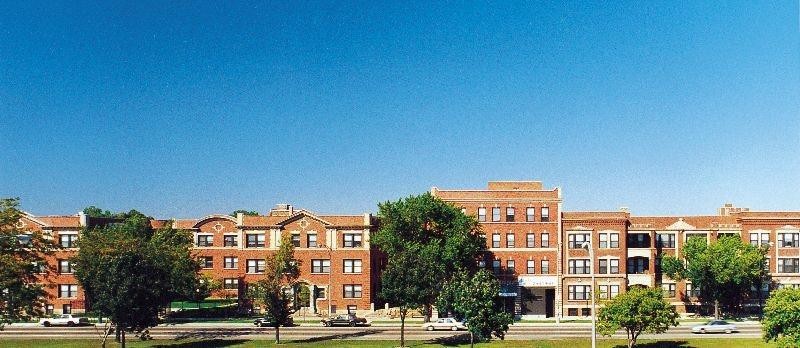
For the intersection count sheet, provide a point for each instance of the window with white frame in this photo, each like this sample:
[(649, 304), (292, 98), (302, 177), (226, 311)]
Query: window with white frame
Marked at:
[(231, 284), (545, 240), (68, 290), (510, 267), (256, 265), (530, 214), (352, 240), (530, 240), (256, 240), (482, 214), (576, 240), (230, 240), (608, 240), (496, 266), (691, 291), (205, 240), (789, 240), (495, 214), (311, 240), (510, 214), (531, 266), (545, 269), (545, 214), (296, 240), (495, 240), (759, 239), (665, 240), (579, 266), (579, 292), (608, 291), (64, 267), (321, 266), (608, 266), (509, 240), (231, 262), (352, 266), (68, 240), (788, 265), (352, 291), (206, 261), (669, 289)]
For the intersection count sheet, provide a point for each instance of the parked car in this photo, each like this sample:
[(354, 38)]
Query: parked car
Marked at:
[(64, 319), (444, 324), (344, 320), (267, 321), (715, 326)]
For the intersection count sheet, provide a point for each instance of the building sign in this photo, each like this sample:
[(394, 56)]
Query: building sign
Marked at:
[(537, 280)]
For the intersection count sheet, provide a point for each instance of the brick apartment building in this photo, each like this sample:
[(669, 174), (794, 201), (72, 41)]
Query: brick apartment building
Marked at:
[(534, 247)]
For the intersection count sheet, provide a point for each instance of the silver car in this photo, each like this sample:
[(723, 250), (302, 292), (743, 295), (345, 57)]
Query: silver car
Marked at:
[(444, 324), (718, 326)]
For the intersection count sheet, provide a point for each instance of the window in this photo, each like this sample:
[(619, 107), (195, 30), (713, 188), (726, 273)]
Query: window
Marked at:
[(766, 264), (665, 240), (352, 291), (320, 266), (576, 240), (691, 291), (545, 240), (256, 240), (495, 240), (206, 261), (531, 266), (530, 240), (496, 214), (580, 266), (613, 291), (638, 265), (68, 291), (609, 240), (572, 312), (545, 267), (256, 266), (545, 214), (603, 269), (296, 240), (669, 289), (496, 266), (788, 240), (759, 239), (510, 266), (205, 240), (603, 291), (66, 309), (481, 214), (613, 267), (638, 240), (352, 240), (586, 312), (510, 240), (510, 214), (48, 309), (311, 240), (614, 243), (68, 240), (351, 309), (231, 262), (64, 266), (230, 241), (231, 284), (320, 293), (788, 265), (481, 263), (579, 292), (603, 244), (530, 214), (765, 239), (352, 266)]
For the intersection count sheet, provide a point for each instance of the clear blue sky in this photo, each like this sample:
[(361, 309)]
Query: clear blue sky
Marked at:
[(180, 109)]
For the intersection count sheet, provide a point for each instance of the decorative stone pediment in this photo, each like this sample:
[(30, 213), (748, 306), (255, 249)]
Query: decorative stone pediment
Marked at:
[(681, 225), (579, 228), (301, 214)]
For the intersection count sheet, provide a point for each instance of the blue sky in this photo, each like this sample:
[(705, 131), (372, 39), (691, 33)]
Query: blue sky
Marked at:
[(181, 109)]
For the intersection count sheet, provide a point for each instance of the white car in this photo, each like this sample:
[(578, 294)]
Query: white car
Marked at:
[(715, 326), (444, 324), (64, 319)]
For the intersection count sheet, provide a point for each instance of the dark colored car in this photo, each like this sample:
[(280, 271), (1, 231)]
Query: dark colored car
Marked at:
[(344, 320), (267, 321)]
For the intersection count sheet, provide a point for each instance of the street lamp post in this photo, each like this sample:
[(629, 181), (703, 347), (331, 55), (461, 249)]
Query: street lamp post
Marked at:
[(588, 246)]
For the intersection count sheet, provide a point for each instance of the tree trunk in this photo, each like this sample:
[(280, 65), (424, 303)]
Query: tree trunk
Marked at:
[(716, 309), (428, 309), (403, 327), (116, 334), (632, 341), (122, 338), (471, 340), (278, 334)]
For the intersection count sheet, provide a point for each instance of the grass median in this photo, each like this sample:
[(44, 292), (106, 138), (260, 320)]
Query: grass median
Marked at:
[(244, 343)]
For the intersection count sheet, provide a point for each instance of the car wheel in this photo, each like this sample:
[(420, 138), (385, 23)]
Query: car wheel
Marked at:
[(454, 328), (728, 331), (702, 331), (429, 328), (352, 324), (70, 324), (46, 324)]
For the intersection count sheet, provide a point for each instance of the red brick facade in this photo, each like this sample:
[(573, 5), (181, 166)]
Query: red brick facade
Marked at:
[(534, 247)]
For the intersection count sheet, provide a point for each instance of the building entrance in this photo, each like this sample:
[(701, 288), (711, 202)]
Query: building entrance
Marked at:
[(538, 302)]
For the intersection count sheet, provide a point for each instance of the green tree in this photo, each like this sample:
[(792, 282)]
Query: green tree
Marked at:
[(476, 300), (22, 253), (275, 291), (639, 310), (97, 212), (245, 212), (407, 282), (129, 271), (427, 225), (724, 271), (782, 318)]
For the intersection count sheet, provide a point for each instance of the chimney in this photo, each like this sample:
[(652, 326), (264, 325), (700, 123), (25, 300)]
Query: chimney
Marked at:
[(625, 209), (83, 219)]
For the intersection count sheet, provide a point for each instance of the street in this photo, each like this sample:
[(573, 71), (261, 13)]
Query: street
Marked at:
[(315, 333)]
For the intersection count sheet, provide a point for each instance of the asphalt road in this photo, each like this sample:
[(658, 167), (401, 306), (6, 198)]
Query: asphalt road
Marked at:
[(314, 333)]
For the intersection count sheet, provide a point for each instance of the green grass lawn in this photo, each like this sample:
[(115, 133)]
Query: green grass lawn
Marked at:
[(242, 343)]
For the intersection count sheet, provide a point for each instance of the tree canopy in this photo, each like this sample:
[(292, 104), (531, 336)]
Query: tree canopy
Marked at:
[(22, 254), (782, 318), (129, 271), (245, 212), (638, 310), (723, 271), (475, 299), (276, 290)]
